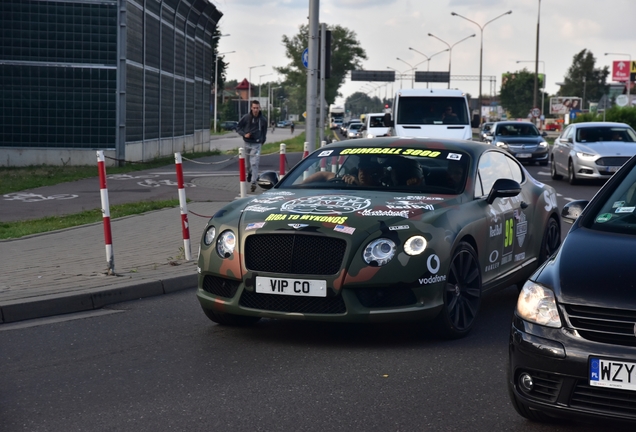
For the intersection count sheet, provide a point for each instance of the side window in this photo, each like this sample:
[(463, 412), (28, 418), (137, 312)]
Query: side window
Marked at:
[(567, 133), (515, 170), (492, 166)]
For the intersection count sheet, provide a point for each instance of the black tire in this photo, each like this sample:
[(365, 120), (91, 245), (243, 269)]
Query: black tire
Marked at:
[(553, 171), (462, 294), (551, 240), (524, 411), (227, 319), (571, 174)]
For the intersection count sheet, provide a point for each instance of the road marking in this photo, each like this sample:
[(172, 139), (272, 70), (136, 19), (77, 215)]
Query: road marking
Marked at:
[(543, 173), (58, 319)]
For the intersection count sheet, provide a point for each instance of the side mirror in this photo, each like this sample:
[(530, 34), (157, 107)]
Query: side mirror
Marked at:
[(388, 121), (569, 139), (267, 180), (572, 210), (544, 134), (503, 188), (476, 121)]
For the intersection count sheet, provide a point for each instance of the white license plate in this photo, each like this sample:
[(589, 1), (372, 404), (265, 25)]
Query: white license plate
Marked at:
[(293, 287), (524, 155), (613, 374)]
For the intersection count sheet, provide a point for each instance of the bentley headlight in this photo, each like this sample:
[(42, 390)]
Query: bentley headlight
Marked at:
[(415, 245), (210, 233), (584, 155), (226, 243), (543, 144), (379, 252), (536, 304)]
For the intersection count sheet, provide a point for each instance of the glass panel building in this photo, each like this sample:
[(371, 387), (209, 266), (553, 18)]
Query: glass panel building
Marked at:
[(130, 77)]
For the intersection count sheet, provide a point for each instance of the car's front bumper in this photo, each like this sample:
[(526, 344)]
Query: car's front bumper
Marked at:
[(558, 362), (538, 155), (588, 169), (349, 304)]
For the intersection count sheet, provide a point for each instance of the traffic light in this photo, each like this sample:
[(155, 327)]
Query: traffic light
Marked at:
[(327, 54)]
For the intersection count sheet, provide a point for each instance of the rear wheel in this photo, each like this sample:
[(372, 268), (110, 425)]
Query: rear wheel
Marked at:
[(553, 171), (230, 319), (571, 174), (462, 294), (551, 240)]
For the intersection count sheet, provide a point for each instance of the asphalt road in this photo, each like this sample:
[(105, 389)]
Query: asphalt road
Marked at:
[(159, 364)]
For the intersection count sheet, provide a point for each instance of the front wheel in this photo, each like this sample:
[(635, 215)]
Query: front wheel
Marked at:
[(571, 174), (227, 319), (462, 294)]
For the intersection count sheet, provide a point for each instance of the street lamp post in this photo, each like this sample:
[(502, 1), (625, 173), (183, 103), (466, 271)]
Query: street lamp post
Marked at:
[(629, 78), (481, 49), (412, 68), (428, 59), (270, 98), (259, 82), (450, 50), (543, 86), (400, 73), (249, 87)]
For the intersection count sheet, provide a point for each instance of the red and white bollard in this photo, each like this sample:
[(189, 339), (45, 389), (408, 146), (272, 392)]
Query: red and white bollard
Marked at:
[(306, 150), (103, 192), (283, 151), (323, 161), (185, 227), (242, 175)]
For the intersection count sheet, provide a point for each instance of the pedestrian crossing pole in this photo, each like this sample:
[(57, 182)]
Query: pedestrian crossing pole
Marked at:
[(242, 175), (281, 160), (183, 205), (103, 192)]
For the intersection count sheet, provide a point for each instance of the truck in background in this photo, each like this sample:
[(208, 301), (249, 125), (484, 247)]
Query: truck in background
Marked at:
[(336, 116), (430, 113)]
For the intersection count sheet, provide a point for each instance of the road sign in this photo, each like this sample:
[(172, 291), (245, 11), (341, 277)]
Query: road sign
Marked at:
[(621, 100), (305, 58), (305, 114), (536, 112)]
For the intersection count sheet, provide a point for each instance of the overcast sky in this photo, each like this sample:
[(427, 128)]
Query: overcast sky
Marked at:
[(387, 28)]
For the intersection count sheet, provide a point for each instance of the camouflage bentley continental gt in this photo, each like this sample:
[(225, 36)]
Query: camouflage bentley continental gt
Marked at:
[(377, 230)]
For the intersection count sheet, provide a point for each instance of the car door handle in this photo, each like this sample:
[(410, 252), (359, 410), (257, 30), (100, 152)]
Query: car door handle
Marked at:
[(523, 205)]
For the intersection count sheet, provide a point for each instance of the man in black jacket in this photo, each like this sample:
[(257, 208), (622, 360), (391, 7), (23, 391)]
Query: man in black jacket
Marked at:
[(253, 128)]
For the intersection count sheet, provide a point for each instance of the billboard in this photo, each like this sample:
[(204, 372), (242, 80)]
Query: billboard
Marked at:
[(565, 104)]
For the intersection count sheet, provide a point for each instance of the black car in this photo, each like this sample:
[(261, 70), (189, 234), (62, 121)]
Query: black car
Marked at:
[(521, 139), (229, 125), (572, 349)]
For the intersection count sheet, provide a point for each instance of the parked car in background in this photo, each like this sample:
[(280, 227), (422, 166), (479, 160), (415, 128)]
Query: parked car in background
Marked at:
[(354, 130), (572, 350), (552, 127), (591, 150), (377, 230), (521, 139), (283, 123), (229, 125), (485, 129)]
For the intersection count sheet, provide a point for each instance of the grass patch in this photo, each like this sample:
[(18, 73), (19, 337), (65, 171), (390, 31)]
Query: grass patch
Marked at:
[(14, 179), (9, 230)]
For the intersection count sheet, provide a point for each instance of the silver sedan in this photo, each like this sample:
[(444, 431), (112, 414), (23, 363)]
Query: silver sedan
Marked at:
[(592, 150)]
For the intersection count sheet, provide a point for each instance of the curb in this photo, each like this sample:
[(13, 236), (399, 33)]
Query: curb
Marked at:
[(58, 304)]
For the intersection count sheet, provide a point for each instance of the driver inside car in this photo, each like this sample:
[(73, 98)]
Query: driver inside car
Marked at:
[(368, 173)]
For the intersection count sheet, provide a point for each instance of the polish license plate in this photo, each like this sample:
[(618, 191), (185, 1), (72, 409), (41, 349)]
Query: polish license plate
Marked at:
[(293, 287), (612, 373), (524, 155)]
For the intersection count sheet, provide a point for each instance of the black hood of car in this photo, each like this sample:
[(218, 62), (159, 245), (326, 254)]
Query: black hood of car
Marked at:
[(593, 268)]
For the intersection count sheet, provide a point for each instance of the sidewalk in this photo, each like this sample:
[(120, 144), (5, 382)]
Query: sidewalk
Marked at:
[(66, 271)]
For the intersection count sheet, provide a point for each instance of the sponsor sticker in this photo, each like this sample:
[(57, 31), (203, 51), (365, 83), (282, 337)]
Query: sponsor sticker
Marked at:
[(454, 156), (618, 204), (325, 153), (259, 209), (398, 227), (344, 229), (433, 265), (625, 210), (550, 200), (326, 204), (255, 225), (327, 219), (603, 217)]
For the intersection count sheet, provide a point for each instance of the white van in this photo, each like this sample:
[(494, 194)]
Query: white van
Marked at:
[(430, 113), (374, 126)]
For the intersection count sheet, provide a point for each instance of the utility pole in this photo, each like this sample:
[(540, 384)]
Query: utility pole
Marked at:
[(312, 69), (323, 72)]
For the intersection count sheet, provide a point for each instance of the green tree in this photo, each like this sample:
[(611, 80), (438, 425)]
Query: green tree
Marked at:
[(583, 80), (517, 93), (346, 55), (360, 103)]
